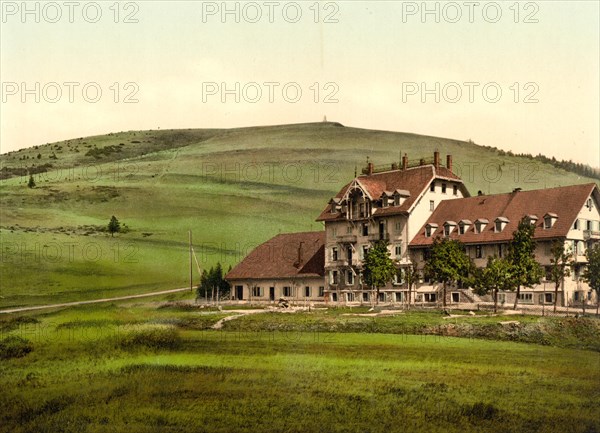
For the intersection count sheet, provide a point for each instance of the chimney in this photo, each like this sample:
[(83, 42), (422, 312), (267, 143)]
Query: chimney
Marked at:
[(370, 168), (436, 159), (449, 162), (405, 162), (300, 260), (421, 161), (394, 166)]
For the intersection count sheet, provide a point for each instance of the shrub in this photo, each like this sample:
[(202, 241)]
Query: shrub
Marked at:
[(14, 347), (159, 337)]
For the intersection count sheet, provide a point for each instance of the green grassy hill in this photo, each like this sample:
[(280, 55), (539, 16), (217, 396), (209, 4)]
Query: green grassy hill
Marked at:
[(233, 188)]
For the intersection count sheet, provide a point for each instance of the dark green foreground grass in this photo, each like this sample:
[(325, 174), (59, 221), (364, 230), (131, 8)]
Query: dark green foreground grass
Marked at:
[(139, 368)]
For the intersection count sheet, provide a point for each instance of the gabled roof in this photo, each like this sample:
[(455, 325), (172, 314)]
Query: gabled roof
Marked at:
[(278, 258), (410, 182), (565, 202)]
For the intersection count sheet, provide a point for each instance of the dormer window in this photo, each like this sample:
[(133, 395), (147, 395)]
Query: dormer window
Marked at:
[(500, 223), (480, 225), (430, 229), (449, 228), (463, 226), (549, 220), (532, 219), (455, 189)]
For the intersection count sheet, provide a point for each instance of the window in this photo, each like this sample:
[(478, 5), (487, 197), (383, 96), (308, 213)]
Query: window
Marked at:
[(257, 291), (478, 252), (365, 229), (349, 277), (430, 229), (546, 298), (333, 277), (432, 187), (321, 291), (431, 205), (365, 250), (461, 229), (430, 297), (349, 230), (334, 253), (498, 227), (334, 297), (398, 277), (398, 227), (307, 291), (588, 225), (350, 297), (361, 210), (443, 188), (549, 220), (501, 298), (288, 291), (455, 297), (381, 297), (500, 250), (334, 231), (399, 296), (396, 200), (398, 250), (577, 296), (576, 225), (526, 298), (455, 190), (365, 296)]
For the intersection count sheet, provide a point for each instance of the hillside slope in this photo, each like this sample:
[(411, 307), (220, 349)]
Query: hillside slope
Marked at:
[(233, 188)]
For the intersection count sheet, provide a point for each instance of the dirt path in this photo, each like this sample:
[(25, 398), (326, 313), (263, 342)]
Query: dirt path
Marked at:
[(242, 313), (93, 301)]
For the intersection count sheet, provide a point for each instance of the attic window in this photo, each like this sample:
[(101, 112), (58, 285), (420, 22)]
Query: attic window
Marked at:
[(463, 226), (432, 187), (500, 223), (430, 230), (549, 220), (396, 200), (449, 227), (589, 204), (455, 189), (480, 225), (532, 219)]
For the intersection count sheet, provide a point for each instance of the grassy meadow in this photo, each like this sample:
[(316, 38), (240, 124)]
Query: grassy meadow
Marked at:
[(155, 367), (233, 188)]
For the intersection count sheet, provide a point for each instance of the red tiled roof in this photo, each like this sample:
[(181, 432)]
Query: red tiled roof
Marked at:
[(278, 258), (566, 202), (414, 180)]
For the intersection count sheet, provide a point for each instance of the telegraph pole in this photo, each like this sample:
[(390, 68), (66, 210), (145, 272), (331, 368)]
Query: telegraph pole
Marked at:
[(191, 277)]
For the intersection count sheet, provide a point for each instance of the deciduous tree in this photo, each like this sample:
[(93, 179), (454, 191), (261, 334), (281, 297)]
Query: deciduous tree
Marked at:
[(378, 267), (448, 263), (591, 274), (521, 256), (561, 262)]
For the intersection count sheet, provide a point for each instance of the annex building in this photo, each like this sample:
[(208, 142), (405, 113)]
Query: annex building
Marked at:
[(408, 205)]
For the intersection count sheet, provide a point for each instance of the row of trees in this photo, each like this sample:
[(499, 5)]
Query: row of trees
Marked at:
[(213, 284), (448, 264)]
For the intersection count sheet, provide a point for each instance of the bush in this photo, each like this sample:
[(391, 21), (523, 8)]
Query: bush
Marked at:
[(14, 347), (159, 337)]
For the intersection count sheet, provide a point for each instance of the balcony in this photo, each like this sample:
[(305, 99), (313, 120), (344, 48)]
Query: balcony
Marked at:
[(337, 263), (347, 239), (591, 234), (374, 237)]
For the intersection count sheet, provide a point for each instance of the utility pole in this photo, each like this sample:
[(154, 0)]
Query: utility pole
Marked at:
[(191, 277)]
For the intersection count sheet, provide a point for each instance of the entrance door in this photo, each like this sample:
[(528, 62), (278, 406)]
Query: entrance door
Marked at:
[(239, 292), (272, 293)]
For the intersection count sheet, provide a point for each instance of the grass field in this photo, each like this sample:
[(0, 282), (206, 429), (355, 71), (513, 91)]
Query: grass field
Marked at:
[(150, 367), (233, 188)]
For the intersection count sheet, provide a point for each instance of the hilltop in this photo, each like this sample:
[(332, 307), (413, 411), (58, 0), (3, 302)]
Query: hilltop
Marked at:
[(234, 188)]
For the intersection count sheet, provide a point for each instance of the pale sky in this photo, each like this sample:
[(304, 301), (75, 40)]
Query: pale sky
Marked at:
[(381, 65)]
